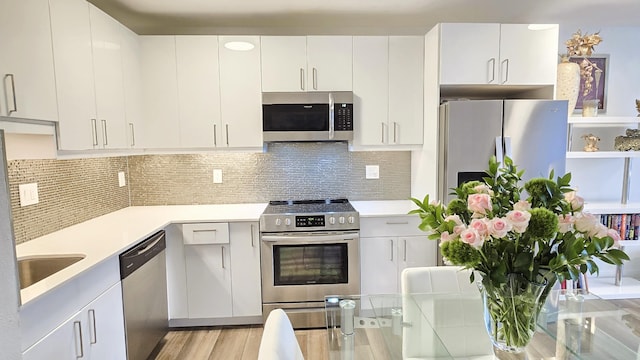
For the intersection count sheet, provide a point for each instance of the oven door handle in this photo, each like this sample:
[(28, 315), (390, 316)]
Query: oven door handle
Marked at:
[(309, 238)]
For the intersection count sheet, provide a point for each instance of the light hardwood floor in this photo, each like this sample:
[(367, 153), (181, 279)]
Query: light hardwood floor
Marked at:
[(231, 343)]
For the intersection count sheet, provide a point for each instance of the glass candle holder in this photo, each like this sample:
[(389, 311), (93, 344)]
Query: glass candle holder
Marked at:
[(590, 107)]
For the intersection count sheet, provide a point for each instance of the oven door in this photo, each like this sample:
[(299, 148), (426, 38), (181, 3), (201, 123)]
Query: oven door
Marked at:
[(300, 267)]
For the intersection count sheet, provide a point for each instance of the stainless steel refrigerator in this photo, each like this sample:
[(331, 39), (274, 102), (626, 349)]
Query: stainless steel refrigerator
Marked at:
[(531, 132)]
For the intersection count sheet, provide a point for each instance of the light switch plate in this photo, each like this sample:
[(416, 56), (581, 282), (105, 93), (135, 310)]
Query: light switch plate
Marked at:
[(217, 176), (28, 194), (121, 179), (372, 172)]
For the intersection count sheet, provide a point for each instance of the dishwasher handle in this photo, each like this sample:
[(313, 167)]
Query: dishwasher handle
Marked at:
[(141, 253)]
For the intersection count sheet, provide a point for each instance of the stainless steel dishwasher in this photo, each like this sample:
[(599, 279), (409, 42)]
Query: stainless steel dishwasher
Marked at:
[(144, 295)]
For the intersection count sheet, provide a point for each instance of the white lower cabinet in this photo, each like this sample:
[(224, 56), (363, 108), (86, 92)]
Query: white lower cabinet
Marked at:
[(388, 245), (95, 332), (214, 274)]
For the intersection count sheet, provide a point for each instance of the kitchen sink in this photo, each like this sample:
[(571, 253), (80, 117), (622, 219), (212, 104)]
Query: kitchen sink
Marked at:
[(33, 269)]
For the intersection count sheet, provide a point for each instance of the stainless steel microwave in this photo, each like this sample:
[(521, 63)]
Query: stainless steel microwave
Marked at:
[(307, 116)]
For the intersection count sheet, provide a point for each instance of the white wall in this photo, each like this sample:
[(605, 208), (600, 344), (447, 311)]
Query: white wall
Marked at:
[(9, 294)]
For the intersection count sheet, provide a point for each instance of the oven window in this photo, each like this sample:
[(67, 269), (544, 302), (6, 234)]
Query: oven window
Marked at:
[(310, 264)]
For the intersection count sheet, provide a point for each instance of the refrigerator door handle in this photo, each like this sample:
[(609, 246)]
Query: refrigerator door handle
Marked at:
[(499, 150), (507, 146)]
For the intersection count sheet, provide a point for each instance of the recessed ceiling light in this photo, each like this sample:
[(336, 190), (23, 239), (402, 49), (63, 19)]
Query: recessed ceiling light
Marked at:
[(541, 26), (239, 45)]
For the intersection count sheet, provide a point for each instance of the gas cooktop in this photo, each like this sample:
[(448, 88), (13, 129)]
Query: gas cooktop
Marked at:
[(309, 215)]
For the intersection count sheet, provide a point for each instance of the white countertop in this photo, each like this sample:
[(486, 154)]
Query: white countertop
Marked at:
[(108, 235)]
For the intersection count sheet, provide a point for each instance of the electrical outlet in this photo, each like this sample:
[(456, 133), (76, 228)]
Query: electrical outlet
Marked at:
[(372, 172), (121, 179), (217, 176), (28, 194)]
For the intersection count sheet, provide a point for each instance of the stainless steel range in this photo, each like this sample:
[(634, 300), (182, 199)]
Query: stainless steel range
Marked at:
[(309, 249)]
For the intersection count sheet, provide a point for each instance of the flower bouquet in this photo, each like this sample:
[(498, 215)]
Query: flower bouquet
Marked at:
[(520, 240)]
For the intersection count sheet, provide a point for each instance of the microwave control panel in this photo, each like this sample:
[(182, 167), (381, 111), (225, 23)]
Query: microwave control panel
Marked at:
[(343, 117)]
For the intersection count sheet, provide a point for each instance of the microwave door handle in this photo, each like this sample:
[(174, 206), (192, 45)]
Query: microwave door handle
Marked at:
[(331, 117)]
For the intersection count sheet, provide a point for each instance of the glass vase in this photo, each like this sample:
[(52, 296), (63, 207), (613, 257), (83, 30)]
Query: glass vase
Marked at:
[(511, 310), (568, 82)]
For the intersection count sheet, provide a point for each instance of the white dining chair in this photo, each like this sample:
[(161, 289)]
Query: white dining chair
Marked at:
[(459, 323), (278, 339)]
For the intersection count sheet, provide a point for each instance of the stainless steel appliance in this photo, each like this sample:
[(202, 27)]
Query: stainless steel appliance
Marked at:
[(143, 271), (309, 249), (307, 116), (531, 132)]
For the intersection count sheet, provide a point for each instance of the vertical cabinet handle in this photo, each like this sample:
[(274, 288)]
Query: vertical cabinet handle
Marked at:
[(391, 248), (301, 79), (492, 70), (382, 133), (505, 63), (215, 135), (93, 335), (395, 132), (315, 79), (404, 255), (222, 252), (252, 237), (94, 132), (77, 329), (105, 140), (133, 135), (227, 133), (13, 93)]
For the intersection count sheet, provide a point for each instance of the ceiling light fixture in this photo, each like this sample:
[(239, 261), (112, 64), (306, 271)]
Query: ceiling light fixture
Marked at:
[(239, 45)]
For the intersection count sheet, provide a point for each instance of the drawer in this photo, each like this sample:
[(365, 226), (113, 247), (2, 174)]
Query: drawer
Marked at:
[(205, 233), (390, 226)]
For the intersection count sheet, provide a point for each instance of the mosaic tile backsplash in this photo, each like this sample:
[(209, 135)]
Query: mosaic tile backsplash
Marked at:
[(73, 191)]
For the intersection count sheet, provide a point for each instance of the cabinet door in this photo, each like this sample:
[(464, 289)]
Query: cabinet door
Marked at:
[(469, 54), (66, 342), (240, 93), (284, 63), (107, 65), (415, 251), (71, 34), (329, 63), (159, 92), (378, 265), (198, 91), (208, 271), (518, 66), (132, 82), (245, 271), (104, 335), (371, 89), (406, 54), (28, 57)]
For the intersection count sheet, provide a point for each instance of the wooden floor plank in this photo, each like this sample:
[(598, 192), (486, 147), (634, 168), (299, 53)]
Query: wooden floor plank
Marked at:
[(230, 344), (172, 344), (200, 344), (253, 343)]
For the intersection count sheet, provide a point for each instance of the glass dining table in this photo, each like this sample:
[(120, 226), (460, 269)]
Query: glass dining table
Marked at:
[(451, 326)]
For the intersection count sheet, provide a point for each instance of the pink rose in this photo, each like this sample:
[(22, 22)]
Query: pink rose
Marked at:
[(574, 200), (522, 205), (565, 223), (480, 226), (479, 203), (615, 236), (586, 223), (445, 236), (459, 225), (499, 227), (483, 189), (519, 220), (471, 237)]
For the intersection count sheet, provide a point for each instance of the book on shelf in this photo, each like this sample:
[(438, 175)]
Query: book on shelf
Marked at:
[(627, 225)]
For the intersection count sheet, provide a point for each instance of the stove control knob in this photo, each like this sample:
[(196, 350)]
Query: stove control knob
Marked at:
[(332, 220), (341, 220), (278, 222), (287, 222), (351, 219)]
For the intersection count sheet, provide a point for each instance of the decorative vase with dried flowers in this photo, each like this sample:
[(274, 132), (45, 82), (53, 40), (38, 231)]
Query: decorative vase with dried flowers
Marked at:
[(569, 74)]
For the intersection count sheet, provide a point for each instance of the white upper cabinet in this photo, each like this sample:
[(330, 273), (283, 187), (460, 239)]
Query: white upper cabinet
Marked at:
[(26, 64), (306, 63), (388, 89), (497, 54), (89, 76), (132, 82), (240, 93), (159, 92), (106, 40), (198, 91)]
